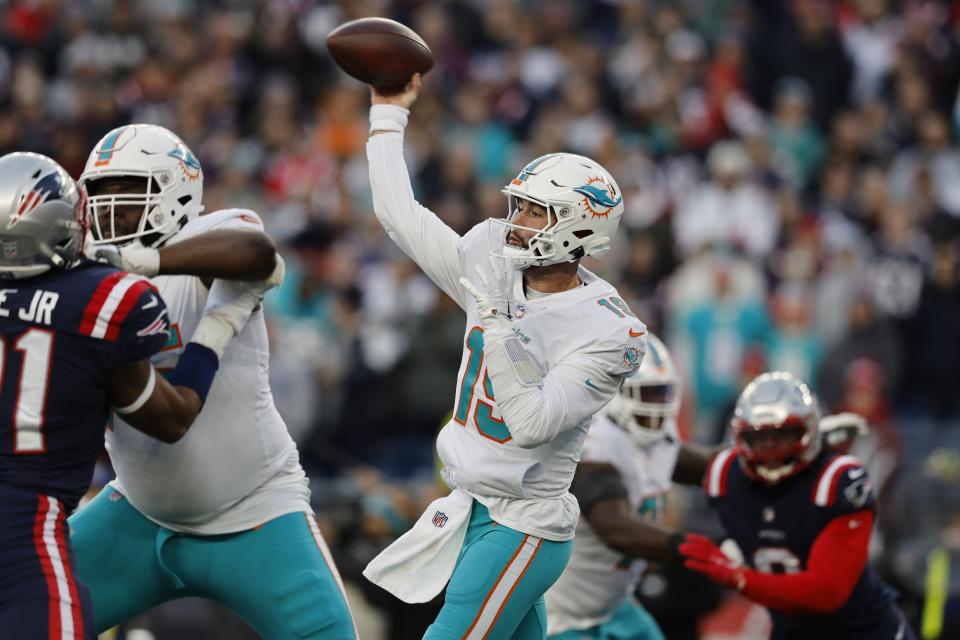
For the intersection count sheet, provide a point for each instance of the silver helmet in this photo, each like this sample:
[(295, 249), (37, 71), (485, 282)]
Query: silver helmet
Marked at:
[(43, 216), (775, 427)]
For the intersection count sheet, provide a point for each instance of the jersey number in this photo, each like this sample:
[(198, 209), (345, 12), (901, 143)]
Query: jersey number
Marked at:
[(776, 560), (488, 425), (616, 305), (36, 345)]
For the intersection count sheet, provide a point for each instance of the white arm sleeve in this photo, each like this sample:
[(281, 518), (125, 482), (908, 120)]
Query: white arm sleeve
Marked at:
[(572, 391), (417, 231)]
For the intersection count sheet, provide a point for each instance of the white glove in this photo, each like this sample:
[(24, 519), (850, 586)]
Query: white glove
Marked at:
[(133, 258), (845, 420), (493, 301), (229, 306)]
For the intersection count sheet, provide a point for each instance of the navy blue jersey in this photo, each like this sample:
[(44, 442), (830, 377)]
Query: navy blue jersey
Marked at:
[(776, 525), (61, 332)]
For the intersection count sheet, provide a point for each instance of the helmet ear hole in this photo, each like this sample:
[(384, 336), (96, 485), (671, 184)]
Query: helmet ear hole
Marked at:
[(583, 233)]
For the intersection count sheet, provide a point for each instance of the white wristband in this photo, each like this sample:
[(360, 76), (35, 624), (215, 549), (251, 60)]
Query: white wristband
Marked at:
[(142, 260), (143, 397), (214, 333), (388, 117)]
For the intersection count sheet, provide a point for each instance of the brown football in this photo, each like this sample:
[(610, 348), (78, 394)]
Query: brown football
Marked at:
[(380, 52)]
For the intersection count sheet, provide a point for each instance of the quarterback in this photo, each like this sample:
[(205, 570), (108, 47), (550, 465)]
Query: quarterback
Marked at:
[(546, 345), (224, 513)]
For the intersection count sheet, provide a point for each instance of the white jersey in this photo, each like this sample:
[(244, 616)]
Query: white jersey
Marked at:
[(580, 340), (237, 466), (597, 580)]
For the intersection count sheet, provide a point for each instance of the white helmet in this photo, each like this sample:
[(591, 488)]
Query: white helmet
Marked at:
[(173, 182), (584, 206), (652, 393)]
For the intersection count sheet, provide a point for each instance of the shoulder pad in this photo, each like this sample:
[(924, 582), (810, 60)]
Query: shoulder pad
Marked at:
[(620, 338), (718, 473), (223, 219)]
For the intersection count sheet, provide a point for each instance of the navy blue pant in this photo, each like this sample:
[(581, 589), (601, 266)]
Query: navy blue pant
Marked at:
[(40, 597), (890, 624)]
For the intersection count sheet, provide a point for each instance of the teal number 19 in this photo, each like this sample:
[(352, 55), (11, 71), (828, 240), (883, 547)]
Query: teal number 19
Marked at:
[(488, 426), (617, 306)]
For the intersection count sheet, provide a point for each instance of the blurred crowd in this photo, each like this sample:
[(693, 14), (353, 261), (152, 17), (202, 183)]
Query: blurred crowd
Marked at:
[(790, 171)]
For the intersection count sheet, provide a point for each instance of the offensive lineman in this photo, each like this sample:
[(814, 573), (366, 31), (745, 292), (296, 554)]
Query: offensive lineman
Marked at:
[(547, 344), (631, 455), (225, 513)]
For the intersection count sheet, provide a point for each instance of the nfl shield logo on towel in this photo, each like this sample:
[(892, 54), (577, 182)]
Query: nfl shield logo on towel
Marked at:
[(439, 519)]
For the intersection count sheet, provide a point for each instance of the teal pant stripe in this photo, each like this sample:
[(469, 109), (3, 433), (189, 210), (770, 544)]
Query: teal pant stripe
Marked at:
[(496, 591)]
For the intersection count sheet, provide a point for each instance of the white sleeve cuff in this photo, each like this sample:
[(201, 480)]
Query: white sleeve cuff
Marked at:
[(388, 117)]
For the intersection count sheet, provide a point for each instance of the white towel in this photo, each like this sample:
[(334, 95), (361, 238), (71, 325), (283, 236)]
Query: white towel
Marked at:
[(418, 565)]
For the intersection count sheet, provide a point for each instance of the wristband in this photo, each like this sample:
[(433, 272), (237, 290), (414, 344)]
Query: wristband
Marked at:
[(195, 370), (143, 397), (388, 117), (214, 333)]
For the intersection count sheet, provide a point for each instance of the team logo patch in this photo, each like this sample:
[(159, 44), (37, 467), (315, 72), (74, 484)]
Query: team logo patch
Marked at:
[(631, 356), (599, 196), (768, 514), (10, 249), (157, 327), (188, 163), (858, 492), (440, 519)]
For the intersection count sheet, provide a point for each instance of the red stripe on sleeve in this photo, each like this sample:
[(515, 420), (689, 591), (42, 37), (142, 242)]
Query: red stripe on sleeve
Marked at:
[(126, 305), (836, 562), (96, 302)]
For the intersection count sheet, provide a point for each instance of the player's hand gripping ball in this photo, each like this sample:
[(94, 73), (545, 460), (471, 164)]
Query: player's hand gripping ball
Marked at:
[(379, 52)]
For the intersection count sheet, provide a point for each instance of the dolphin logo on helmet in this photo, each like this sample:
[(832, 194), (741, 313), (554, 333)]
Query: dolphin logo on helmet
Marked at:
[(598, 201)]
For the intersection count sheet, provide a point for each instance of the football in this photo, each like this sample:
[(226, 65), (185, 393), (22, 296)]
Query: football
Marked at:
[(379, 52)]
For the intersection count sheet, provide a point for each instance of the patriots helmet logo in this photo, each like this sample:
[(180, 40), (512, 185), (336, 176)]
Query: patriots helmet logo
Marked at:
[(599, 196), (48, 187)]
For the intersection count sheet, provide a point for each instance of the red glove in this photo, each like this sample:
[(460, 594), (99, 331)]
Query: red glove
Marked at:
[(704, 556)]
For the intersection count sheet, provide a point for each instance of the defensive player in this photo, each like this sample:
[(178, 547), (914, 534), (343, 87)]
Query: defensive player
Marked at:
[(547, 344), (224, 513), (802, 519), (75, 340), (630, 456)]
